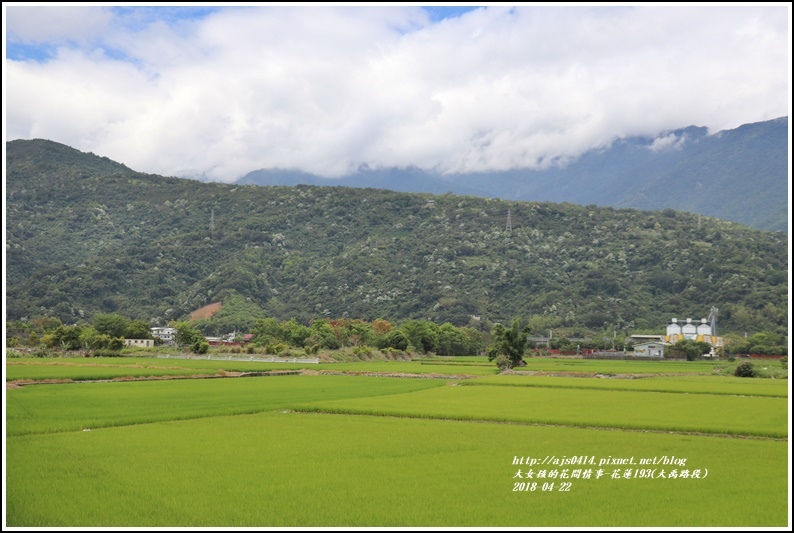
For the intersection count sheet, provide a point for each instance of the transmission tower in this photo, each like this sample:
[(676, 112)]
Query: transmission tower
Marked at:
[(212, 220), (509, 226)]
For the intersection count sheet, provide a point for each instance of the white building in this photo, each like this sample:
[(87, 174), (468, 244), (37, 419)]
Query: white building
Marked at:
[(168, 335), (139, 343), (650, 349)]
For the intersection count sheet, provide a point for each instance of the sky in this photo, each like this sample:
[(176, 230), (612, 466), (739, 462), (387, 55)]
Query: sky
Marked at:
[(216, 92)]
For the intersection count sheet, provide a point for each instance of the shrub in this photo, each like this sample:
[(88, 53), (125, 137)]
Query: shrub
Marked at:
[(44, 352), (116, 343), (362, 350), (502, 362), (744, 370), (391, 353), (102, 352), (200, 347), (397, 340), (249, 348), (275, 349)]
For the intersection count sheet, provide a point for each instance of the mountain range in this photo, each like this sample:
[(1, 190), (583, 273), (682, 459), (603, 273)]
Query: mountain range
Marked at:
[(739, 175), (86, 235)]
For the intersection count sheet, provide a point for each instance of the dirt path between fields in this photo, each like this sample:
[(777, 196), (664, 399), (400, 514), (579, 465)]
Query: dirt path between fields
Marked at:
[(15, 384), (309, 372)]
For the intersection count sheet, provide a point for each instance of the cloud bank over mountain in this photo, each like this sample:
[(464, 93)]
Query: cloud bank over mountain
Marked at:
[(218, 92)]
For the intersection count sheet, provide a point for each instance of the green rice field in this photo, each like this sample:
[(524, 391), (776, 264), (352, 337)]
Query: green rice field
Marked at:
[(357, 450), (688, 384)]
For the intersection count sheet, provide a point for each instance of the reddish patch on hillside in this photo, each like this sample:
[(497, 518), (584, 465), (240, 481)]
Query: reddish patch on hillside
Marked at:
[(205, 312)]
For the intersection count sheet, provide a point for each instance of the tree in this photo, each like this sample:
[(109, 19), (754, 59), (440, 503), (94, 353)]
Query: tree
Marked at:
[(114, 325), (294, 333), (397, 340), (688, 348), (380, 326), (511, 343), (360, 333), (67, 337), (421, 334), (266, 331), (91, 339), (116, 344), (187, 334), (138, 329), (452, 341), (322, 335)]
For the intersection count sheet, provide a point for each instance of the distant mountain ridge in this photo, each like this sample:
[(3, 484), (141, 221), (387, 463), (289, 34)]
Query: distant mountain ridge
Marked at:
[(739, 175), (85, 235)]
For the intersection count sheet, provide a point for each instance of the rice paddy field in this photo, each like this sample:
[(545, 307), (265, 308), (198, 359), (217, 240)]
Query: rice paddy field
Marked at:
[(393, 444)]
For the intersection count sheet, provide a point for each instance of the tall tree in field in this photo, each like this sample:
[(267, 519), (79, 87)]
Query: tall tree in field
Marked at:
[(511, 343)]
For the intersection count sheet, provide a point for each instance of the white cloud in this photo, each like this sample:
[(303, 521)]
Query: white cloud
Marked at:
[(326, 89), (55, 23), (670, 141)]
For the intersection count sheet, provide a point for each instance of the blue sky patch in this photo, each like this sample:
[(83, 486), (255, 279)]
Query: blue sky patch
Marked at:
[(438, 13)]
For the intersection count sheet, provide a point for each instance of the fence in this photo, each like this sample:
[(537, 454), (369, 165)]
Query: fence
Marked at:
[(252, 359), (614, 355)]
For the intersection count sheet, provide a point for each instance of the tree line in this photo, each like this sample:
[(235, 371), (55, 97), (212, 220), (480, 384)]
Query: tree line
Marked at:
[(506, 345)]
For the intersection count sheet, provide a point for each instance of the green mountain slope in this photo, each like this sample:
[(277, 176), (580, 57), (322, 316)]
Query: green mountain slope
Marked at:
[(85, 235), (739, 175)]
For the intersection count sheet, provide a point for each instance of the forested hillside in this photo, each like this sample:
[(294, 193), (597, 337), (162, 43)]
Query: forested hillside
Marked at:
[(86, 235), (739, 175)]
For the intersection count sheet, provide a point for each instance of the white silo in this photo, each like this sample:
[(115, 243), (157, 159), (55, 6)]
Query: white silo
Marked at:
[(689, 330), (673, 328), (704, 328)]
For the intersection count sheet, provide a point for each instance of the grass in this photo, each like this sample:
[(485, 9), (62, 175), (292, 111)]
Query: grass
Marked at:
[(72, 407), (115, 367), (682, 384), (354, 451), (310, 470), (750, 416), (605, 366)]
